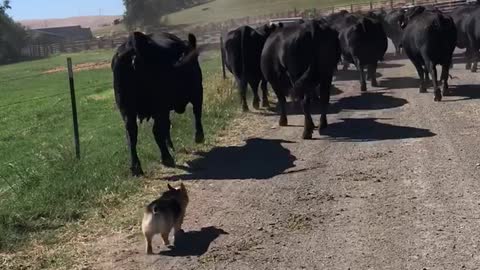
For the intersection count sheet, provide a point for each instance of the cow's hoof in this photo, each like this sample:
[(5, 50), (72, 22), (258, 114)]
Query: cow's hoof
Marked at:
[(474, 69), (168, 162), (438, 98), (137, 171), (199, 138), (265, 104), (307, 135), (256, 104), (245, 109), (283, 122), (446, 92), (423, 90), (323, 126), (375, 84), (468, 66), (363, 88)]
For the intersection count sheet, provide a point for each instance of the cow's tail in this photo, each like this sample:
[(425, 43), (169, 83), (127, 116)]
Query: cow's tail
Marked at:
[(242, 52), (303, 82)]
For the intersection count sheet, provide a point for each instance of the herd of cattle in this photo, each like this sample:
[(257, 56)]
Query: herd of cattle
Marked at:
[(155, 76)]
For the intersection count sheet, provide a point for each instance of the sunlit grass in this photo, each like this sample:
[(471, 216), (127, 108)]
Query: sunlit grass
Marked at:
[(42, 185)]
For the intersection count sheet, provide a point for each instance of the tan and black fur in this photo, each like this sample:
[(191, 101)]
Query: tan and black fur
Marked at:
[(163, 214)]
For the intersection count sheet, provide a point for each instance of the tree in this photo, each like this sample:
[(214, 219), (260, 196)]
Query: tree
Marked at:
[(13, 36), (140, 13)]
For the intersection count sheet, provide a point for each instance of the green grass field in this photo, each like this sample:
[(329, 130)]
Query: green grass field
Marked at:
[(222, 10), (42, 185)]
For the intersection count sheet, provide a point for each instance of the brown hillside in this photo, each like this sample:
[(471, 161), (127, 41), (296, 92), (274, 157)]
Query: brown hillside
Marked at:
[(93, 22)]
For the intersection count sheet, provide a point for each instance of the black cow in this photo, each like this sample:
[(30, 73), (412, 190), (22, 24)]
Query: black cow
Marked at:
[(392, 28), (472, 29), (363, 42), (243, 48), (429, 40), (151, 78), (301, 58), (461, 16)]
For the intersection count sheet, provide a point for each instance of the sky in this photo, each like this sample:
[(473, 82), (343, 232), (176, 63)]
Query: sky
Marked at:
[(49, 9)]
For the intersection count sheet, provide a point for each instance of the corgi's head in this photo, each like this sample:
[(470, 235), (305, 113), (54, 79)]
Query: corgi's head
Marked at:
[(180, 194)]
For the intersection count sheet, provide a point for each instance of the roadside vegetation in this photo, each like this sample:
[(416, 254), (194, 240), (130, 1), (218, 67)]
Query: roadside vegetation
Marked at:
[(43, 186)]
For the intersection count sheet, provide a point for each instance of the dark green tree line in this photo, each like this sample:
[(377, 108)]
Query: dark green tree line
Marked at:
[(148, 12), (13, 36)]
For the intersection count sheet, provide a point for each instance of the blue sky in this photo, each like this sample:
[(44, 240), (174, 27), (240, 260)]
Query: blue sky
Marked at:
[(47, 9)]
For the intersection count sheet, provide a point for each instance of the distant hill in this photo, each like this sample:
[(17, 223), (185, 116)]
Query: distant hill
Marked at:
[(94, 22)]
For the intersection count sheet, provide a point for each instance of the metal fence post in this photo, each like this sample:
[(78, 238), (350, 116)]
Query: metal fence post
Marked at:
[(74, 107)]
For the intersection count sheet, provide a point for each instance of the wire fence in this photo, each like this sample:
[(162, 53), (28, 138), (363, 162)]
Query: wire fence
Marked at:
[(9, 179)]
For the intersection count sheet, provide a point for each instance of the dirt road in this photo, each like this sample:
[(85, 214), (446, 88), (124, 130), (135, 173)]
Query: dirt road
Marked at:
[(393, 184)]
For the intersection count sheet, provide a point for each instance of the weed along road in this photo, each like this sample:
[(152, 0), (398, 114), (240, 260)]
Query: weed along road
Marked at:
[(392, 184)]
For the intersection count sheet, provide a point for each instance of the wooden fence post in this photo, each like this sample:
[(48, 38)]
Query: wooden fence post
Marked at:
[(391, 4), (371, 5), (351, 8), (223, 56), (74, 107)]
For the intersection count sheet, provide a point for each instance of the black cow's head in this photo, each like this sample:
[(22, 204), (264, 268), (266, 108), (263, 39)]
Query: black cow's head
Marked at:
[(171, 64), (189, 76), (409, 14)]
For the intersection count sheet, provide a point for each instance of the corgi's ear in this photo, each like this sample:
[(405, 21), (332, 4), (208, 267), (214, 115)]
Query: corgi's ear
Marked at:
[(182, 187), (170, 187)]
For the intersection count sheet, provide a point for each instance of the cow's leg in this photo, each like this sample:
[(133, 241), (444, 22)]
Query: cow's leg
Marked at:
[(397, 49), (444, 78), (432, 69), (161, 128), (421, 74), (197, 112), (308, 126), (242, 85), (256, 98), (282, 102), (132, 133), (372, 71), (360, 68), (346, 64), (264, 87), (468, 59), (475, 55), (325, 86)]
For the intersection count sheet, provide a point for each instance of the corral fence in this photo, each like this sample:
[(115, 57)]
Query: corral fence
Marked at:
[(45, 50), (208, 34)]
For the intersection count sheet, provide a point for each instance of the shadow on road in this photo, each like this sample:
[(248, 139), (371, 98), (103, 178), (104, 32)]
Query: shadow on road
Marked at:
[(257, 159), (468, 91), (350, 75), (368, 101), (400, 83), (368, 129), (193, 243), (364, 101), (389, 65)]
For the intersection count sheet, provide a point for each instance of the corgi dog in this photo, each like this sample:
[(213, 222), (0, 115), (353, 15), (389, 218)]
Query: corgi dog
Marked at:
[(163, 214)]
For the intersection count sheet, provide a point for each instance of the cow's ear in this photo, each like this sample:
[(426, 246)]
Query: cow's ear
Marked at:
[(171, 188), (192, 40), (139, 42)]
